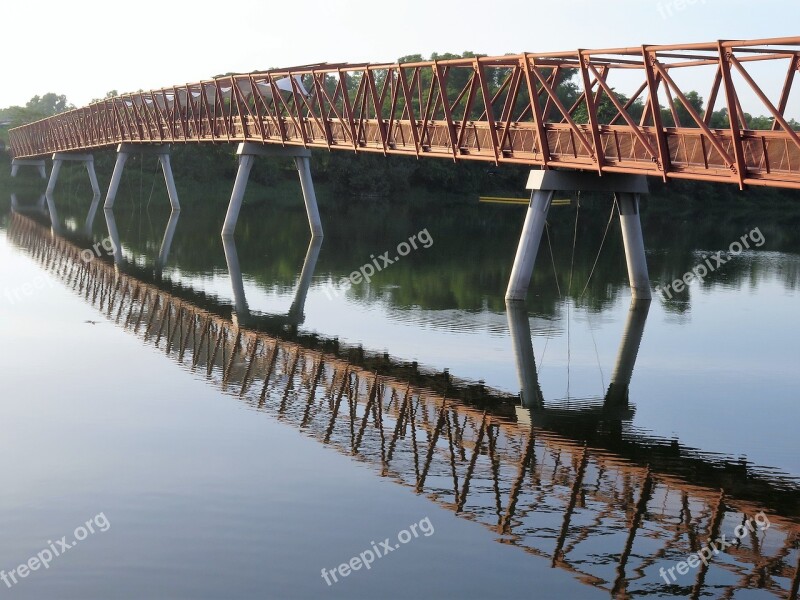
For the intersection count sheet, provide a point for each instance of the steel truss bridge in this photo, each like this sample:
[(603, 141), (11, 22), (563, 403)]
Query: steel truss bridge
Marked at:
[(503, 110), (608, 519)]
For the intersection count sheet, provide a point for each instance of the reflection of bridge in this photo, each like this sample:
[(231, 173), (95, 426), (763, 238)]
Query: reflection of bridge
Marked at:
[(612, 521), (498, 109)]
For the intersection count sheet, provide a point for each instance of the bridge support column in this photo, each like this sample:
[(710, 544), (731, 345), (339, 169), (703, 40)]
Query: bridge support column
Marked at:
[(528, 247), (543, 185), (60, 157), (16, 163), (634, 245), (247, 153), (123, 152)]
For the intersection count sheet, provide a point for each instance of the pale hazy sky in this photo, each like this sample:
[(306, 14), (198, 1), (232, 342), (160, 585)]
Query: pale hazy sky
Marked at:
[(85, 48)]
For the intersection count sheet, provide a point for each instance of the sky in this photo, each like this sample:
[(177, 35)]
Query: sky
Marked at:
[(85, 48)]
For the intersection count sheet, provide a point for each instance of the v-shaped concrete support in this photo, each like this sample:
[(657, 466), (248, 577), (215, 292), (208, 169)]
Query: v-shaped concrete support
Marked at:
[(543, 184), (123, 152)]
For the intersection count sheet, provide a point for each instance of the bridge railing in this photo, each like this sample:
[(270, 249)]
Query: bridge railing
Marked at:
[(550, 110)]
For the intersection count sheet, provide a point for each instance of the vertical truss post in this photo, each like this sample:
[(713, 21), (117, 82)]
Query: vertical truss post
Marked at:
[(733, 115)]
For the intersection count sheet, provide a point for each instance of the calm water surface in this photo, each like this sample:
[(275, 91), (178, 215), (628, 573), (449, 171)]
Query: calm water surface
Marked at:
[(218, 403)]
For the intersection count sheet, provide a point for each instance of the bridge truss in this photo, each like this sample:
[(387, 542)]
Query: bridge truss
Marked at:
[(504, 110)]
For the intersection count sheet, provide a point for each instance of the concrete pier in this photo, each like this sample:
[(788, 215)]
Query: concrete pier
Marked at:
[(162, 152), (38, 163), (634, 245), (60, 158), (543, 185), (247, 153)]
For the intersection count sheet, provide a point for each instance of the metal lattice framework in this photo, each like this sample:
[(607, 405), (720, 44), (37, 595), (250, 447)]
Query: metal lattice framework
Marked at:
[(498, 109), (610, 522)]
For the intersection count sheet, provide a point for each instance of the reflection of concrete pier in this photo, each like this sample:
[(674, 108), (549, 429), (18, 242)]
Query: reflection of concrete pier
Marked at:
[(617, 395), (166, 242), (113, 234), (519, 328), (40, 206), (55, 223), (295, 314), (609, 517), (615, 404)]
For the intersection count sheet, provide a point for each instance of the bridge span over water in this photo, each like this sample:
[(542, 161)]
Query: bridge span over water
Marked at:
[(502, 110)]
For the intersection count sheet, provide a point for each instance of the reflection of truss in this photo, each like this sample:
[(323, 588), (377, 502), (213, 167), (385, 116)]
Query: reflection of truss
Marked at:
[(608, 521), (502, 109)]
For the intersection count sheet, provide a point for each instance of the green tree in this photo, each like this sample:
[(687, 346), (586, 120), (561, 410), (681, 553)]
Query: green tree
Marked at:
[(48, 105)]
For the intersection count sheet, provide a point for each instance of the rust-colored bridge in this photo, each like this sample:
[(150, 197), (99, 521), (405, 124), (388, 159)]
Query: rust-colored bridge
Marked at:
[(498, 109)]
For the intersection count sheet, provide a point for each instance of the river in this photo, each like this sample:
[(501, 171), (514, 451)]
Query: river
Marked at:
[(406, 436)]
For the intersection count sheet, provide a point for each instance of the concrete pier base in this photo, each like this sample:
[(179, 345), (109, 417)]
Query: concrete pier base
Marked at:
[(162, 152), (543, 185), (38, 163), (247, 153), (60, 158)]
